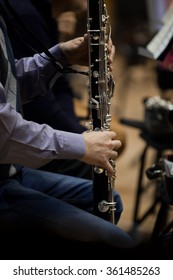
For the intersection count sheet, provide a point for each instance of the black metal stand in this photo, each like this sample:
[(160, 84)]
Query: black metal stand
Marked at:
[(160, 146)]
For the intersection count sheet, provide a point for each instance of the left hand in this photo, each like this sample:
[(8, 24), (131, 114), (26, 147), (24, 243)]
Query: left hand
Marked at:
[(76, 51)]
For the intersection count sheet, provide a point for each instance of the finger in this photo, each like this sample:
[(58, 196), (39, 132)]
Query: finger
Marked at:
[(110, 170), (111, 55), (114, 155), (116, 144), (112, 135)]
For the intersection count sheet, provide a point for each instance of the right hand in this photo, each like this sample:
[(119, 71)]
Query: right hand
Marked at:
[(101, 146)]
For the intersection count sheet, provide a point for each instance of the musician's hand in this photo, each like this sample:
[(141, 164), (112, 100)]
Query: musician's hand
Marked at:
[(76, 50), (100, 147), (111, 51)]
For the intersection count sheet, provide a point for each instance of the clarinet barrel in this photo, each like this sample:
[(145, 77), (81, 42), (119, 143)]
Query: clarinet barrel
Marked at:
[(101, 88)]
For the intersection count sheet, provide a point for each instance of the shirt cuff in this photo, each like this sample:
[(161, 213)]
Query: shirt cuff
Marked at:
[(73, 145), (59, 56)]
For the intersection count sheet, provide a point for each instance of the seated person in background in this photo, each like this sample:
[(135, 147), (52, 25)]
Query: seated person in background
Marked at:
[(34, 203), (56, 108), (71, 17)]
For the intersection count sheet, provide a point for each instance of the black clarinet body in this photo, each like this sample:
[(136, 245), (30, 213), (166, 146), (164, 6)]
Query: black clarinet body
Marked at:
[(101, 87)]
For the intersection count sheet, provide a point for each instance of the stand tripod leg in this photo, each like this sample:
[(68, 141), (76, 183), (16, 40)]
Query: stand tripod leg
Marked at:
[(160, 221), (139, 185)]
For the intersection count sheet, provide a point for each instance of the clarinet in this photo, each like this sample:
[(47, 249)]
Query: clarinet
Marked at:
[(101, 88)]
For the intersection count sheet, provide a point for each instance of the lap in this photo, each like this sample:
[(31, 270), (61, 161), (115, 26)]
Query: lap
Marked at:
[(73, 190), (41, 205)]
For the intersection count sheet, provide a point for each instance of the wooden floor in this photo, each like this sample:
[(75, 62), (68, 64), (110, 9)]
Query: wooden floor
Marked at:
[(133, 84)]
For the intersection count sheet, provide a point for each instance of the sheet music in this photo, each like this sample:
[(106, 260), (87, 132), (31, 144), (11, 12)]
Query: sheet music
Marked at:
[(161, 40)]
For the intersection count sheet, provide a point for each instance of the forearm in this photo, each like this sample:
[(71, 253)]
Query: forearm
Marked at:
[(39, 146), (37, 74)]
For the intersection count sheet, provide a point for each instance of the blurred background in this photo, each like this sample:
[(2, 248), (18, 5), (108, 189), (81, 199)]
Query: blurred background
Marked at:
[(137, 79)]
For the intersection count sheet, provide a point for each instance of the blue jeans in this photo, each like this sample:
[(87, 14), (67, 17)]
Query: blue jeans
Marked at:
[(38, 201)]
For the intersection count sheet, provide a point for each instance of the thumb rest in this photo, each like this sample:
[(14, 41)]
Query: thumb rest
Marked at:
[(101, 88)]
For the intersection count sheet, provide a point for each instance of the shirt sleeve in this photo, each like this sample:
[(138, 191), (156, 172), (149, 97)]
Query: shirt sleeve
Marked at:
[(37, 74), (31, 144)]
